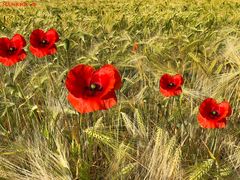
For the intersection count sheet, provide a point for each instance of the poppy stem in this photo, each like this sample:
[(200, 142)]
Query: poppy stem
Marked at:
[(180, 111), (90, 122)]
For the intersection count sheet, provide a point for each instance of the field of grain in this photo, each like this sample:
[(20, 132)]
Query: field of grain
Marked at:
[(146, 135)]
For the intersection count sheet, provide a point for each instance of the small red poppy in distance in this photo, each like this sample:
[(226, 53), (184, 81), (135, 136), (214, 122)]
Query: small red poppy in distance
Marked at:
[(213, 115), (11, 50), (171, 85), (91, 90), (135, 47), (42, 43)]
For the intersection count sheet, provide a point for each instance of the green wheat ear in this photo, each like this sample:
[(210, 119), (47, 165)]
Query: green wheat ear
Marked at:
[(201, 170)]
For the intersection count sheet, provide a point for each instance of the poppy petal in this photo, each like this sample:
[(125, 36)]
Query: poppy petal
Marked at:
[(109, 100), (4, 45), (166, 93), (36, 36), (177, 91), (4, 60), (91, 104), (108, 77), (178, 80), (52, 50), (224, 109), (52, 36), (78, 79), (118, 81), (14, 59), (22, 55), (18, 41), (38, 52), (207, 106), (204, 123), (135, 47), (164, 81)]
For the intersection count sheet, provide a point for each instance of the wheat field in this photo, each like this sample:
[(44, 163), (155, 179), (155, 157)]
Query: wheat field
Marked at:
[(146, 135)]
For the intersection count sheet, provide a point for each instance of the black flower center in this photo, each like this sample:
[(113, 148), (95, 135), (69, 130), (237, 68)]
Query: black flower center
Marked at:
[(44, 42), (11, 50), (171, 84), (95, 87), (214, 113)]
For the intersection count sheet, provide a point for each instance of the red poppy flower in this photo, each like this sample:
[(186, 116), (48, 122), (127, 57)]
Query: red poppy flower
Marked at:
[(42, 43), (171, 85), (213, 115), (91, 90), (135, 47), (11, 50)]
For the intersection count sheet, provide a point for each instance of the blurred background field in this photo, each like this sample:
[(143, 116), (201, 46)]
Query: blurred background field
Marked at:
[(146, 136)]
